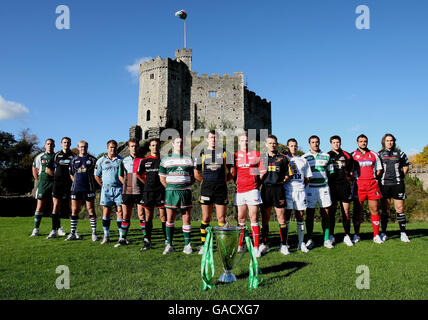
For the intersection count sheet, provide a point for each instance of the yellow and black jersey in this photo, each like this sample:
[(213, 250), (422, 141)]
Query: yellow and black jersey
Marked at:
[(213, 165), (277, 167)]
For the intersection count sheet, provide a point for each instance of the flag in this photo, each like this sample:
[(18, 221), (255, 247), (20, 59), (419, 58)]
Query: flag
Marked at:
[(181, 14)]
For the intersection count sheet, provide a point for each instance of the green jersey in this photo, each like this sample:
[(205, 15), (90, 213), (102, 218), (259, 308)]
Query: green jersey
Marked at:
[(320, 165), (41, 162), (178, 171)]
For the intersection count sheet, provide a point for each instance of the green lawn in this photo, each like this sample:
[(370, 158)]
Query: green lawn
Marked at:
[(28, 267)]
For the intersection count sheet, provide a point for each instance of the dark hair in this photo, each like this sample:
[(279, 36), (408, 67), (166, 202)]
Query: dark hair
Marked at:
[(132, 140), (313, 137), (112, 141), (212, 132), (362, 136), (154, 139), (335, 138), (271, 136), (67, 138), (384, 138), (291, 140), (50, 139)]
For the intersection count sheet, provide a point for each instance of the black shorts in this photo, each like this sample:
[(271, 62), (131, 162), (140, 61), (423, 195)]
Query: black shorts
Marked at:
[(273, 196), (82, 196), (61, 189), (130, 199), (394, 191), (213, 192), (151, 199), (340, 192)]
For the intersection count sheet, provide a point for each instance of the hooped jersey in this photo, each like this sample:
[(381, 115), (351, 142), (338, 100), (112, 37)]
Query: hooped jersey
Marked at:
[(60, 165), (343, 165), (393, 162), (107, 169), (128, 169), (40, 163), (320, 166), (300, 170), (248, 169), (178, 171), (149, 171), (213, 165), (82, 169), (277, 169), (366, 164)]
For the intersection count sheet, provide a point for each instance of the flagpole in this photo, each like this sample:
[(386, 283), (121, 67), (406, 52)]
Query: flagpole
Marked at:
[(184, 34)]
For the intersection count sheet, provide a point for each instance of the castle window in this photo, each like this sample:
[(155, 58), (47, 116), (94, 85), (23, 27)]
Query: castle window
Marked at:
[(152, 76), (148, 115), (212, 94)]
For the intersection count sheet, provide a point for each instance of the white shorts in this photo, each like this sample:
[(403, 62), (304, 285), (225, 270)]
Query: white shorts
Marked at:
[(250, 198), (318, 195), (296, 199)]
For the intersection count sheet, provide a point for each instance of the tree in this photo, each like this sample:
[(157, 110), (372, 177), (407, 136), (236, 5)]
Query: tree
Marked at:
[(16, 157), (420, 158)]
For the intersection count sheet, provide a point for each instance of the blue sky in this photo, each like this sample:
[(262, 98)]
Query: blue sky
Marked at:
[(322, 74)]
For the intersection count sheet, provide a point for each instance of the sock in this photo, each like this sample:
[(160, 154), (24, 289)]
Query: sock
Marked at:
[(143, 226), (186, 232), (357, 222), (37, 219), (164, 229), (106, 227), (283, 233), (332, 220), (125, 227), (93, 222), (149, 228), (169, 232), (73, 223), (55, 221), (300, 232), (375, 223), (241, 237), (346, 224), (384, 221), (204, 226), (401, 218), (265, 233), (325, 222), (255, 228), (119, 227), (309, 227)]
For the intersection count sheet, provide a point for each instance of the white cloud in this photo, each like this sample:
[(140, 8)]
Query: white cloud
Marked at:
[(11, 109), (134, 69)]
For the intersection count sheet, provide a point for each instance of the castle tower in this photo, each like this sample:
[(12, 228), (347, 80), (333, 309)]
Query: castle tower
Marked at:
[(184, 55)]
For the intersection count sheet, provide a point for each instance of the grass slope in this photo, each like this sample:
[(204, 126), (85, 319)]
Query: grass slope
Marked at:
[(28, 267)]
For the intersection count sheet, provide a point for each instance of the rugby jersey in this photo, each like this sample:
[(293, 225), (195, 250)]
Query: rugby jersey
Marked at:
[(277, 169), (41, 162), (178, 171), (60, 165), (128, 169), (343, 165), (107, 169), (149, 170), (300, 170), (393, 162), (366, 164), (320, 164), (248, 168), (213, 165), (82, 169)]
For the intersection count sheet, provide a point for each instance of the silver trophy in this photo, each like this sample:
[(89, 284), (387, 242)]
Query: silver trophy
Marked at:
[(227, 238)]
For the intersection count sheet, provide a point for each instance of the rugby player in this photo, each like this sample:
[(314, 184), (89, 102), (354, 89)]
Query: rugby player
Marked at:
[(44, 184), (213, 170), (248, 169), (176, 175), (317, 191), (295, 193), (132, 188), (58, 167), (273, 193), (368, 167), (106, 175), (83, 189), (340, 188), (395, 167), (153, 190)]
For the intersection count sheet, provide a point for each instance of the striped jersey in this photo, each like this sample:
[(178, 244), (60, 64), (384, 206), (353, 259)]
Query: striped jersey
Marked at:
[(40, 163), (178, 171), (107, 169), (128, 169), (321, 165), (300, 170)]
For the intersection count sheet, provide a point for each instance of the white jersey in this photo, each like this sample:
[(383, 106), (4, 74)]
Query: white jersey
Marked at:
[(301, 170)]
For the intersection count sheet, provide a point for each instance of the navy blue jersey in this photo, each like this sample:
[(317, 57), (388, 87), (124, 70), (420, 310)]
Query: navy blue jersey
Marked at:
[(82, 169)]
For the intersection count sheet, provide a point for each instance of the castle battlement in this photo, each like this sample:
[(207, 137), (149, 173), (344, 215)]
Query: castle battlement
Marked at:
[(225, 76), (157, 63)]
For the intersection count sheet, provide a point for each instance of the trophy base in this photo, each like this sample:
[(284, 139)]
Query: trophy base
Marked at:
[(227, 277)]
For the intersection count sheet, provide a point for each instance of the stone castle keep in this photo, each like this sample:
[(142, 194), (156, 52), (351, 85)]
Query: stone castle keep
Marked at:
[(170, 93)]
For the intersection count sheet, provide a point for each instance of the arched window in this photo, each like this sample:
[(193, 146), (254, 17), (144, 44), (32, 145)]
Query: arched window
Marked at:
[(148, 115)]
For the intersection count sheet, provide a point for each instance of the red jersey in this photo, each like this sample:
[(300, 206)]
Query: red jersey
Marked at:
[(248, 167), (368, 164)]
